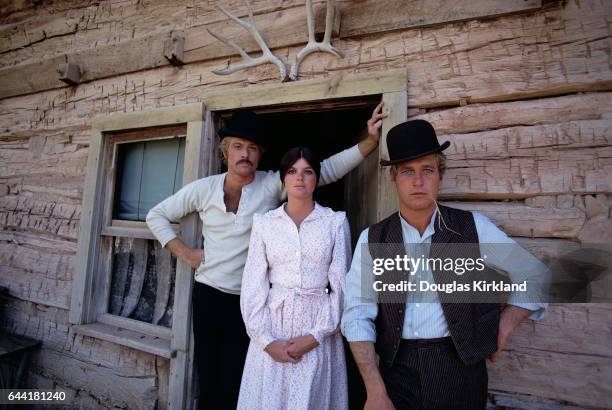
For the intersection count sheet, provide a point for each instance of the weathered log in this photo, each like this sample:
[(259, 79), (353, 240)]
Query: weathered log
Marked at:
[(544, 373), (581, 66), (517, 219), (542, 156)]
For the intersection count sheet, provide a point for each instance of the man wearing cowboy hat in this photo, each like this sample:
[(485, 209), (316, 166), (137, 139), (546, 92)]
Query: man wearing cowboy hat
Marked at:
[(226, 204), (432, 355)]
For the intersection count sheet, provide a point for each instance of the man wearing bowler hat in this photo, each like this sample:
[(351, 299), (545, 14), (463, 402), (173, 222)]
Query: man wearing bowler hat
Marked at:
[(432, 355), (226, 204)]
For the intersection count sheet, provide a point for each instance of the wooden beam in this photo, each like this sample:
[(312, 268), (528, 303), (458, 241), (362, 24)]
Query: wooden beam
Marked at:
[(126, 337), (545, 373), (281, 28), (520, 162), (339, 86), (82, 308), (137, 325), (479, 117), (150, 118), (548, 53), (396, 107), (517, 219), (374, 16), (197, 148)]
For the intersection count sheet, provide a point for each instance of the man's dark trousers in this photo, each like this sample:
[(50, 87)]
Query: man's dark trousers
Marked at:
[(428, 374), (221, 344)]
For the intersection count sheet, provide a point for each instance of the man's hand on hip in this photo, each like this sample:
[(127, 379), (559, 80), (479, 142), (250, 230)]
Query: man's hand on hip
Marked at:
[(510, 318), (193, 257)]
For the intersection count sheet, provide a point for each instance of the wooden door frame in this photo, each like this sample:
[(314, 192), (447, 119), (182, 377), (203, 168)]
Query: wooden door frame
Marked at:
[(391, 84)]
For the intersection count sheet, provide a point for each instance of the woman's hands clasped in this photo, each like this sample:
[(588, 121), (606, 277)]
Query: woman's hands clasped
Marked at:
[(292, 350)]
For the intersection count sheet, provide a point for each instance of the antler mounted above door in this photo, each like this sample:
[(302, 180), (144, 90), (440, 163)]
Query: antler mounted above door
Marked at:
[(248, 61), (312, 46)]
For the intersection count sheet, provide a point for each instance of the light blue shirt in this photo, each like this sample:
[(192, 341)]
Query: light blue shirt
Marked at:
[(426, 320)]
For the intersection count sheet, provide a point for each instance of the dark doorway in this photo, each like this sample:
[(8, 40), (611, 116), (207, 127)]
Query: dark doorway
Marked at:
[(328, 131)]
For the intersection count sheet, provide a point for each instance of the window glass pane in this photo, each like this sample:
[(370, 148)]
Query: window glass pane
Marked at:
[(159, 173), (129, 174), (147, 173)]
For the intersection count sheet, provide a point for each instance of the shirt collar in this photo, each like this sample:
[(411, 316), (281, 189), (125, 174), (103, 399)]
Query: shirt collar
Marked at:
[(429, 230), (318, 212)]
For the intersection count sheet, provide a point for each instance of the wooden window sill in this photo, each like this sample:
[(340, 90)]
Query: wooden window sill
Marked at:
[(135, 340)]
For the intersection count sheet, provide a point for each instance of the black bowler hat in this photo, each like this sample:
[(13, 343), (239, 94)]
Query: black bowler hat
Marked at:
[(242, 124), (410, 140)]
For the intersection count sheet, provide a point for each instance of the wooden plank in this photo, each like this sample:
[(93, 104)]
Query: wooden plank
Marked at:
[(280, 28), (141, 233), (545, 373), (200, 146), (153, 118), (373, 16), (338, 86), (137, 225), (560, 50), (479, 117), (517, 150), (360, 193), (137, 325), (35, 287), (87, 250), (149, 134), (126, 337), (517, 219), (90, 367), (396, 109)]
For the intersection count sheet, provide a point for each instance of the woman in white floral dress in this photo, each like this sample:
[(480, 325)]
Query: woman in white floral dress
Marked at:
[(296, 358)]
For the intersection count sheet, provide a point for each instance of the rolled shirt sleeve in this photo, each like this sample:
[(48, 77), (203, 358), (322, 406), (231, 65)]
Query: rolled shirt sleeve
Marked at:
[(360, 300), (183, 202), (519, 264)]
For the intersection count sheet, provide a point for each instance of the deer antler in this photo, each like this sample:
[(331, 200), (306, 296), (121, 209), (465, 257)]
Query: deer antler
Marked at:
[(313, 45), (248, 61)]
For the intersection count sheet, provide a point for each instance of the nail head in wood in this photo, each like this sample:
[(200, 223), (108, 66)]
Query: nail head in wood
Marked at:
[(174, 50), (70, 73)]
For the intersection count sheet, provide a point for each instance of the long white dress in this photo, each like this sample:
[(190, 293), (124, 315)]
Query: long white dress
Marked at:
[(284, 296)]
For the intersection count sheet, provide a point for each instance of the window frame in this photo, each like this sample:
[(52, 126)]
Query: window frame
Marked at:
[(112, 228), (88, 310)]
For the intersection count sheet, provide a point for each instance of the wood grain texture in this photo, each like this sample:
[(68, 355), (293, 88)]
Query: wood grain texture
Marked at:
[(281, 28)]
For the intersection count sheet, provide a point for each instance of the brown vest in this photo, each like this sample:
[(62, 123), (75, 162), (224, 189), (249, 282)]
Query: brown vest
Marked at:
[(473, 326)]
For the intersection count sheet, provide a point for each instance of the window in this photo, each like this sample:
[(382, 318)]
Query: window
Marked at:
[(145, 167), (147, 173), (125, 282)]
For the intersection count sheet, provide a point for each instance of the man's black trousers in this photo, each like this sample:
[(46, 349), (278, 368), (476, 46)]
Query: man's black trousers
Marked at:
[(428, 374), (221, 344)]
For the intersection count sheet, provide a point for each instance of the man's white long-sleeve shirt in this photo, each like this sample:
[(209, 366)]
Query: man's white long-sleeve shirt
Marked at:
[(226, 234)]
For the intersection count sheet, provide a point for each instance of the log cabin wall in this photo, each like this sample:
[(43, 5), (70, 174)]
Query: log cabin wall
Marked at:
[(525, 97)]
